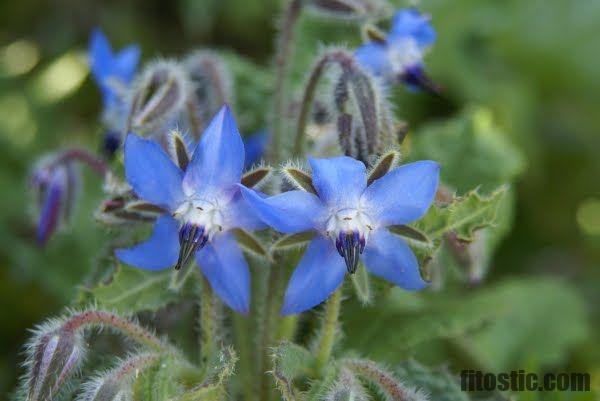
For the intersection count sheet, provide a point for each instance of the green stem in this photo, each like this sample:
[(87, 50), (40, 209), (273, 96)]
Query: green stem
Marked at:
[(329, 328), (270, 318), (287, 328), (282, 58), (208, 322), (344, 59)]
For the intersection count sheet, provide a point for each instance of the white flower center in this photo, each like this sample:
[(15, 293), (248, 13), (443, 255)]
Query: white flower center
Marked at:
[(404, 54), (201, 213), (349, 229), (200, 221)]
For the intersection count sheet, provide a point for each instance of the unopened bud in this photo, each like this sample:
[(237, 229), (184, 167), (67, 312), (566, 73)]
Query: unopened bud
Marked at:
[(115, 384), (55, 357), (211, 81), (159, 95), (55, 185)]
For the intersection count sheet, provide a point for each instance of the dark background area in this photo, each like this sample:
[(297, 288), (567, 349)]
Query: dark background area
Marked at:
[(534, 65)]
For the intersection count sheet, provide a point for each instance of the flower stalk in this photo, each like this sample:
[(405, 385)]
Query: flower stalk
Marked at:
[(118, 323), (329, 328), (282, 58), (208, 322)]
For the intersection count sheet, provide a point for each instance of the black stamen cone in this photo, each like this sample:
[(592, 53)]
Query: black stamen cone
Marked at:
[(191, 239), (416, 77), (350, 245)]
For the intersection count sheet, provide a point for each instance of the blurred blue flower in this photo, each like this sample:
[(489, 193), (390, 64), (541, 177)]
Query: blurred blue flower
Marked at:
[(202, 205), (350, 219), (400, 56), (111, 69), (255, 146)]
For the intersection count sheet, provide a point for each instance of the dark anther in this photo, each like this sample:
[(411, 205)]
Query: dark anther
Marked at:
[(416, 77), (191, 239), (350, 246)]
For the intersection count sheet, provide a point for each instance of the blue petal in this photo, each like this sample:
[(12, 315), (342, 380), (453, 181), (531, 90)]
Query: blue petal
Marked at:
[(255, 148), (373, 57), (101, 62), (388, 257), (126, 63), (50, 213), (239, 214), (317, 276), (402, 195), (218, 160), (414, 24), (224, 266), (289, 212), (151, 173), (339, 181), (159, 252)]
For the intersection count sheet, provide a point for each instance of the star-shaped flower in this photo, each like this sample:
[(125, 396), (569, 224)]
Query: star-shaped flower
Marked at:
[(399, 57), (203, 204), (350, 220), (111, 69)]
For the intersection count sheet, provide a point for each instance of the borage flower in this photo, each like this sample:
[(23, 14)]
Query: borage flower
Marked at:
[(399, 56), (111, 69), (203, 205), (350, 220)]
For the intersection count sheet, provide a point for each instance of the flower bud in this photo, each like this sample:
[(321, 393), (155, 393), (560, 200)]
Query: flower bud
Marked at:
[(159, 95), (347, 388), (104, 388), (116, 384), (55, 184), (55, 356), (212, 83)]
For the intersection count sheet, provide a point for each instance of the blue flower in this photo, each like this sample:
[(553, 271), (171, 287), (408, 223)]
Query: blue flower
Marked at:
[(350, 220), (111, 69), (400, 56), (203, 204)]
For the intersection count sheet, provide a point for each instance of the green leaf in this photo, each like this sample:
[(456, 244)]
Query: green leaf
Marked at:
[(462, 217), (472, 151), (499, 326), (289, 362), (542, 320), (158, 382), (132, 290)]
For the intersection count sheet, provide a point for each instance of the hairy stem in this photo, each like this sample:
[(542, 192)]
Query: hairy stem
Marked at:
[(287, 328), (329, 328), (208, 322), (82, 155), (282, 58), (125, 326), (270, 318), (341, 57)]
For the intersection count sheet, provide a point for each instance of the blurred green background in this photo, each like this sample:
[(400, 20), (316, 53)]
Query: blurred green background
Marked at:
[(533, 66)]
